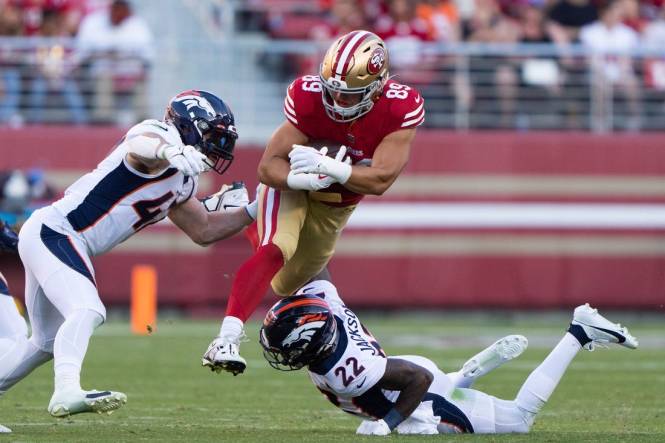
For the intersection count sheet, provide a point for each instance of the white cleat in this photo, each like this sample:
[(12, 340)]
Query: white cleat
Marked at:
[(66, 403), (600, 330), (223, 354), (5, 430), (502, 351)]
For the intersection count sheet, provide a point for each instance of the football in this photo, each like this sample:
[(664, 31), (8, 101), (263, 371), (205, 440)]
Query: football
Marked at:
[(333, 146)]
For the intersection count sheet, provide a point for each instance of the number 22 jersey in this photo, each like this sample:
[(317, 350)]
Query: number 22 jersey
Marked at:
[(348, 377), (114, 201)]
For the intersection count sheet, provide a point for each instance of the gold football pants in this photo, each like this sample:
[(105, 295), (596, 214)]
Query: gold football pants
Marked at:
[(303, 228)]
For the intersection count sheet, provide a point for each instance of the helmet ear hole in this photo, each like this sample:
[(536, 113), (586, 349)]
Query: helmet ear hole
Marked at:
[(203, 126)]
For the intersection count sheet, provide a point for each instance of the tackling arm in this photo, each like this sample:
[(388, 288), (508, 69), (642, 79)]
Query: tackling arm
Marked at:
[(274, 166), (204, 227), (412, 381), (142, 153), (150, 153)]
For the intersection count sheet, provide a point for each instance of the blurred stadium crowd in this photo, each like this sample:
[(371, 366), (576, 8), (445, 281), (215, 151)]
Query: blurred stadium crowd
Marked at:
[(98, 77), (620, 32), (512, 64)]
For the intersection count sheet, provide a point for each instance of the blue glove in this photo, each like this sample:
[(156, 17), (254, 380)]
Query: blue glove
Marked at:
[(8, 239)]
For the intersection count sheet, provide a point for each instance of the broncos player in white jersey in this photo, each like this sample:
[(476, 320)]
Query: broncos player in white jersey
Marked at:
[(151, 174), (410, 393)]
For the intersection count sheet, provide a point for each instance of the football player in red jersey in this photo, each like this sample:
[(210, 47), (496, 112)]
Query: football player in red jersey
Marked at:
[(306, 197)]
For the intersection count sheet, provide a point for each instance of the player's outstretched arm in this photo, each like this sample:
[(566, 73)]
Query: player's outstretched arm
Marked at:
[(204, 227), (274, 166), (412, 381)]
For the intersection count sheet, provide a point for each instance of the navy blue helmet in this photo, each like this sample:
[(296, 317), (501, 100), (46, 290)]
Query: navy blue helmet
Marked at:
[(298, 331), (205, 122)]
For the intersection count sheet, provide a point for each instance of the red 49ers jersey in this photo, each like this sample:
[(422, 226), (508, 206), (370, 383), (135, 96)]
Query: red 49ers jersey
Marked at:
[(398, 107)]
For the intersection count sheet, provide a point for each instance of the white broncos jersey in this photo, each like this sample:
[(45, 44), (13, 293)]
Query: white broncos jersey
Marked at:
[(109, 204), (348, 376)]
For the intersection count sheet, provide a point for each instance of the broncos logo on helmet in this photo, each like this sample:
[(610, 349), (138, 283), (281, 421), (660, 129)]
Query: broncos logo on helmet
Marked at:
[(304, 332), (298, 331), (205, 122)]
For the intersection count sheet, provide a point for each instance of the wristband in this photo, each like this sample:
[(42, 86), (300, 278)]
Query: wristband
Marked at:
[(393, 418), (302, 182)]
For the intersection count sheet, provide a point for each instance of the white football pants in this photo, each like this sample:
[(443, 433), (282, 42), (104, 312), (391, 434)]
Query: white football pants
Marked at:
[(61, 299)]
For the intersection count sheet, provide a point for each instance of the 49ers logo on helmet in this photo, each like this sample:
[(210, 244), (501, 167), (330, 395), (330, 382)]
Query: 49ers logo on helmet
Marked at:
[(376, 61)]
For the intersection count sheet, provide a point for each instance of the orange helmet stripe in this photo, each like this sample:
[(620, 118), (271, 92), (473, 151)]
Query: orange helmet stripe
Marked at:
[(305, 302)]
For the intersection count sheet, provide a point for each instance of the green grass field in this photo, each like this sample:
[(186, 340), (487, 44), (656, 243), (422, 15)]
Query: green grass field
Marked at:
[(608, 395)]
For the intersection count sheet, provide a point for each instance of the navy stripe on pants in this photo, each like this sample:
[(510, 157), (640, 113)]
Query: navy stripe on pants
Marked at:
[(61, 246)]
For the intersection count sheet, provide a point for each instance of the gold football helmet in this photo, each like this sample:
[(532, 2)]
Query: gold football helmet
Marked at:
[(353, 73)]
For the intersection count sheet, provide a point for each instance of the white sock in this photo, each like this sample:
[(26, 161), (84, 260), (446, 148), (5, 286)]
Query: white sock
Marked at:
[(231, 327), (540, 384), (18, 357), (71, 344)]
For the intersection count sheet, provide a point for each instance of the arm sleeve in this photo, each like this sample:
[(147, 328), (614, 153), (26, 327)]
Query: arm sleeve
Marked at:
[(411, 113), (290, 105), (407, 110)]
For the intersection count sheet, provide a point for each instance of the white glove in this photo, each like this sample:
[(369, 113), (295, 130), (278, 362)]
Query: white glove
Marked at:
[(373, 427), (227, 197), (186, 159), (305, 159), (308, 182), (422, 421)]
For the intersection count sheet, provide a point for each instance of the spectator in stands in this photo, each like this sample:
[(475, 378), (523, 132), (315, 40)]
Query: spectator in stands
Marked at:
[(116, 47), (442, 19), (632, 16), (652, 40), (52, 73), (10, 76), (344, 16), (567, 18), (35, 12), (541, 77), (489, 25), (654, 32), (404, 34), (611, 43)]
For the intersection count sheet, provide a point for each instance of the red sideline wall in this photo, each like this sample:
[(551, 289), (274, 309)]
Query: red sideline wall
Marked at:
[(506, 264)]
